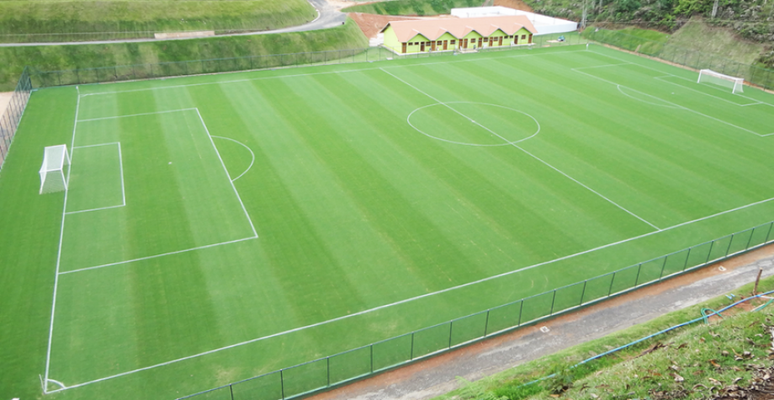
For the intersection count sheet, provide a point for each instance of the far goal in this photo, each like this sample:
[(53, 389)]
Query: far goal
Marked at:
[(710, 76), (52, 172)]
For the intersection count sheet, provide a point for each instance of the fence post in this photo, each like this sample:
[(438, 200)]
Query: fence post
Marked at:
[(451, 325), (611, 285), (411, 356), (729, 244), (521, 311), (663, 266), (231, 389), (637, 278), (486, 323), (328, 368), (769, 232), (282, 384), (750, 239), (687, 256), (709, 253), (583, 292), (553, 301), (372, 359)]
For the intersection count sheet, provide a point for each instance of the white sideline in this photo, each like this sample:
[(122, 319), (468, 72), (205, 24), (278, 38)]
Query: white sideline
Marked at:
[(301, 328), (526, 152), (121, 172), (661, 78), (248, 149), (657, 70), (313, 73), (673, 104), (59, 251)]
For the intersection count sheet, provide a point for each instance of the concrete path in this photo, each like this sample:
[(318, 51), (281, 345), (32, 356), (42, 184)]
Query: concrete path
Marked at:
[(328, 17), (437, 375)]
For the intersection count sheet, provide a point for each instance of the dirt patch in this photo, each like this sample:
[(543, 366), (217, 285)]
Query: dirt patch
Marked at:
[(5, 98), (515, 4), (371, 24)]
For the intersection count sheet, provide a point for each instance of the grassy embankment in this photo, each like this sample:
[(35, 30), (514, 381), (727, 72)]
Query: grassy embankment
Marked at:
[(52, 58), (413, 7), (42, 21), (684, 362)]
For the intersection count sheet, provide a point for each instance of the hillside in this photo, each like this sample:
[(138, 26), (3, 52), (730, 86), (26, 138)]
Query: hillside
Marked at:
[(53, 58), (40, 21), (727, 355)]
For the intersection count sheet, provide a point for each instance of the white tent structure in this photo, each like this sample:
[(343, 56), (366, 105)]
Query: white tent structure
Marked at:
[(544, 24)]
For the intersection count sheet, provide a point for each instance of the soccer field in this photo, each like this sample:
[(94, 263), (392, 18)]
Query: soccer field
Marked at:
[(219, 227)]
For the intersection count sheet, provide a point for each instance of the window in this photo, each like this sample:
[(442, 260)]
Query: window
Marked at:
[(438, 43), (510, 37), (523, 37), (452, 42)]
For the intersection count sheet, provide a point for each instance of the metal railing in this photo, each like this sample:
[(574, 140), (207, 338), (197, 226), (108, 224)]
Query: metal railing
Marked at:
[(337, 369), (754, 74), (9, 121)]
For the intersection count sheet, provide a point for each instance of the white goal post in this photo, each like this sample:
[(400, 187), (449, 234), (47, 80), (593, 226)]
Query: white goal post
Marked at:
[(52, 172), (708, 75)]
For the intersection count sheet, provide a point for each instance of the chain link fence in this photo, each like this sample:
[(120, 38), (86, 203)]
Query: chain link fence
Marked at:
[(753, 74), (340, 368), (9, 121)]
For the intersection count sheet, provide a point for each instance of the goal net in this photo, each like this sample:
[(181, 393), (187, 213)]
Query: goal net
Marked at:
[(710, 76), (52, 172)]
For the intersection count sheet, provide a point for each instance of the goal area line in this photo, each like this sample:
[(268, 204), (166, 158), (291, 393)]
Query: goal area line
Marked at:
[(404, 301)]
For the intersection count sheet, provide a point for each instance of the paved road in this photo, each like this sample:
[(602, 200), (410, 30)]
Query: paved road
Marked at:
[(327, 17)]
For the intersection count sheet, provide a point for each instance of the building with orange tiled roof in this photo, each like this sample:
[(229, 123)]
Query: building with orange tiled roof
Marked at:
[(415, 36)]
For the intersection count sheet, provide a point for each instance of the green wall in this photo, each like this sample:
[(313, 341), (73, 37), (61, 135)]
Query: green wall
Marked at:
[(391, 41)]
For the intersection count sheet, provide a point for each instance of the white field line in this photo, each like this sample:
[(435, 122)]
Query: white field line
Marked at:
[(95, 209), (408, 300), (230, 181), (526, 152), (657, 70), (248, 149), (673, 104), (643, 101), (661, 78), (121, 171), (207, 246), (59, 250), (316, 73), (606, 65), (136, 115)]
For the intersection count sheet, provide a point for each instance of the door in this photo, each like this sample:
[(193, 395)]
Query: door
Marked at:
[(530, 38), (445, 44), (501, 41), (422, 46), (491, 40), (480, 40), (404, 48), (433, 44), (465, 43)]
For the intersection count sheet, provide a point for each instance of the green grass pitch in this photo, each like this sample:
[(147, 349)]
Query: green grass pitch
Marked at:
[(219, 227)]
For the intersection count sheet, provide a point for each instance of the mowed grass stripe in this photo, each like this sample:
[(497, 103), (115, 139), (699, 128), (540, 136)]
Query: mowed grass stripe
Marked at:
[(635, 152), (513, 194)]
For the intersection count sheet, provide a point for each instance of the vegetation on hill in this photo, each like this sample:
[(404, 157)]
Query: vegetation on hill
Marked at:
[(413, 7), (36, 21), (51, 58), (690, 362)]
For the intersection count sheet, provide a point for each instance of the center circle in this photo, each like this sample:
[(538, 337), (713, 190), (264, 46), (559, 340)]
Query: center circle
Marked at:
[(473, 124)]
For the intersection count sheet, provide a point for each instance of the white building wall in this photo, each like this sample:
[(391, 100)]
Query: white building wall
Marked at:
[(544, 24)]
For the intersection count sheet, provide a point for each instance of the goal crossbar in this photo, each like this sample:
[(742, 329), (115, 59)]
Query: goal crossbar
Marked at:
[(710, 76)]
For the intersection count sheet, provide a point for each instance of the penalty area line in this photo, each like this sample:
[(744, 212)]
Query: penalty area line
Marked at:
[(321, 323)]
